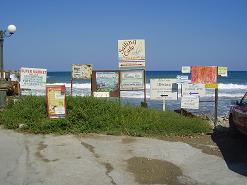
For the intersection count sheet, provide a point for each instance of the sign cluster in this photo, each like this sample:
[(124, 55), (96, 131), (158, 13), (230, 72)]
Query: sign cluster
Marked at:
[(131, 76), (202, 77), (131, 57)]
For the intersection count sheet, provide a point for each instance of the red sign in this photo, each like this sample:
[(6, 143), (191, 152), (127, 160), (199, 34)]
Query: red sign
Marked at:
[(204, 74)]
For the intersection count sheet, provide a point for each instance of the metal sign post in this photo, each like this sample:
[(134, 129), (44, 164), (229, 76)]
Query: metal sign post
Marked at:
[(164, 101), (164, 105), (216, 102)]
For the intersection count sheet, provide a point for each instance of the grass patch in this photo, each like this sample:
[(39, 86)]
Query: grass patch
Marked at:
[(92, 115)]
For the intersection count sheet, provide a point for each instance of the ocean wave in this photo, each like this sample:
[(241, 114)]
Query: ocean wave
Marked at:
[(225, 90), (232, 86), (88, 85)]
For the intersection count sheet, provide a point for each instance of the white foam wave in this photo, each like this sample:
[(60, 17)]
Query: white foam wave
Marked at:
[(225, 90), (232, 86)]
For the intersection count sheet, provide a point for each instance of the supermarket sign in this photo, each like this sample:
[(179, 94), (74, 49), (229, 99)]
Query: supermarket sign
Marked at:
[(33, 81)]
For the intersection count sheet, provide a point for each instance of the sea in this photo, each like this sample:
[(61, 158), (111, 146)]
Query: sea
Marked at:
[(231, 89)]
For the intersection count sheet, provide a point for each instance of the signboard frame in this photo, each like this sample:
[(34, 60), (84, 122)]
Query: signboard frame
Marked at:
[(62, 90), (131, 54), (190, 102), (115, 93), (142, 79), (205, 75), (41, 76), (166, 90), (86, 78), (83, 67)]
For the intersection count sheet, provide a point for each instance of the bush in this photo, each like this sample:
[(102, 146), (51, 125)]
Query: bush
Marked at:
[(92, 115)]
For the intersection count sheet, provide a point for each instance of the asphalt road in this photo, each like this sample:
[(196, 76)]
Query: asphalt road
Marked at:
[(115, 160)]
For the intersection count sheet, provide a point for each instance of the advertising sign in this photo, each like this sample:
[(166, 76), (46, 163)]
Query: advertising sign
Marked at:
[(185, 69), (81, 71), (131, 53), (204, 74), (222, 71), (190, 102), (131, 50), (55, 99), (33, 81), (132, 80), (131, 65), (163, 89), (106, 81), (193, 90)]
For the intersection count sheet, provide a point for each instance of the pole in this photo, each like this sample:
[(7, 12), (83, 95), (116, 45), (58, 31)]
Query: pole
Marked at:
[(145, 97), (3, 92), (216, 100), (216, 107), (164, 105), (71, 87), (1, 54)]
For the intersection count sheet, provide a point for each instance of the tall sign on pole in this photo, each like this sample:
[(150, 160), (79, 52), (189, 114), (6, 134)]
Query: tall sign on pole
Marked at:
[(131, 54), (207, 75), (131, 57)]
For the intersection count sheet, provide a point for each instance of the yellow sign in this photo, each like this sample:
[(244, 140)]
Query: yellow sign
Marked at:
[(211, 86), (55, 98), (222, 71)]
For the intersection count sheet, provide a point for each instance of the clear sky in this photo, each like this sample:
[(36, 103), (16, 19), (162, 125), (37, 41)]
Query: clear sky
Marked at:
[(54, 34)]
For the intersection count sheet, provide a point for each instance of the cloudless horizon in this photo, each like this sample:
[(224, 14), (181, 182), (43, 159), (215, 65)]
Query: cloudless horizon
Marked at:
[(54, 34)]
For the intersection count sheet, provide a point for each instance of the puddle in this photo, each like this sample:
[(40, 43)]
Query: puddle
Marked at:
[(153, 171), (41, 147), (128, 140)]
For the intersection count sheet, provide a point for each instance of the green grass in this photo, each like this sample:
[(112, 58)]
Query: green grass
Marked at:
[(92, 115)]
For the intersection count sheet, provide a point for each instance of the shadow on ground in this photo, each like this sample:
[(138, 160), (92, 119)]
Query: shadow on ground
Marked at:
[(233, 149)]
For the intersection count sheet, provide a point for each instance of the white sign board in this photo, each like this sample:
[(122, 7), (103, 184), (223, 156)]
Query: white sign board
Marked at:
[(33, 81), (132, 80), (193, 90), (190, 102), (185, 69), (162, 83), (162, 89), (183, 79), (82, 71)]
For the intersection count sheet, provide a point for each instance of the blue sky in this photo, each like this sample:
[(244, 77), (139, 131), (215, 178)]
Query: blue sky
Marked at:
[(54, 34)]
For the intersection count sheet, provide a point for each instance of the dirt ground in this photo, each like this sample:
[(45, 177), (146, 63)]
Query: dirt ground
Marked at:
[(232, 148)]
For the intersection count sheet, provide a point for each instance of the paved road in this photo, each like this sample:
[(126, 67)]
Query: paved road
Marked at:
[(99, 160)]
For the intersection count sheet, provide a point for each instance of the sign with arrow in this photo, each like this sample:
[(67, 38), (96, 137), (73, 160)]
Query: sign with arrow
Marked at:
[(161, 89), (193, 90)]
